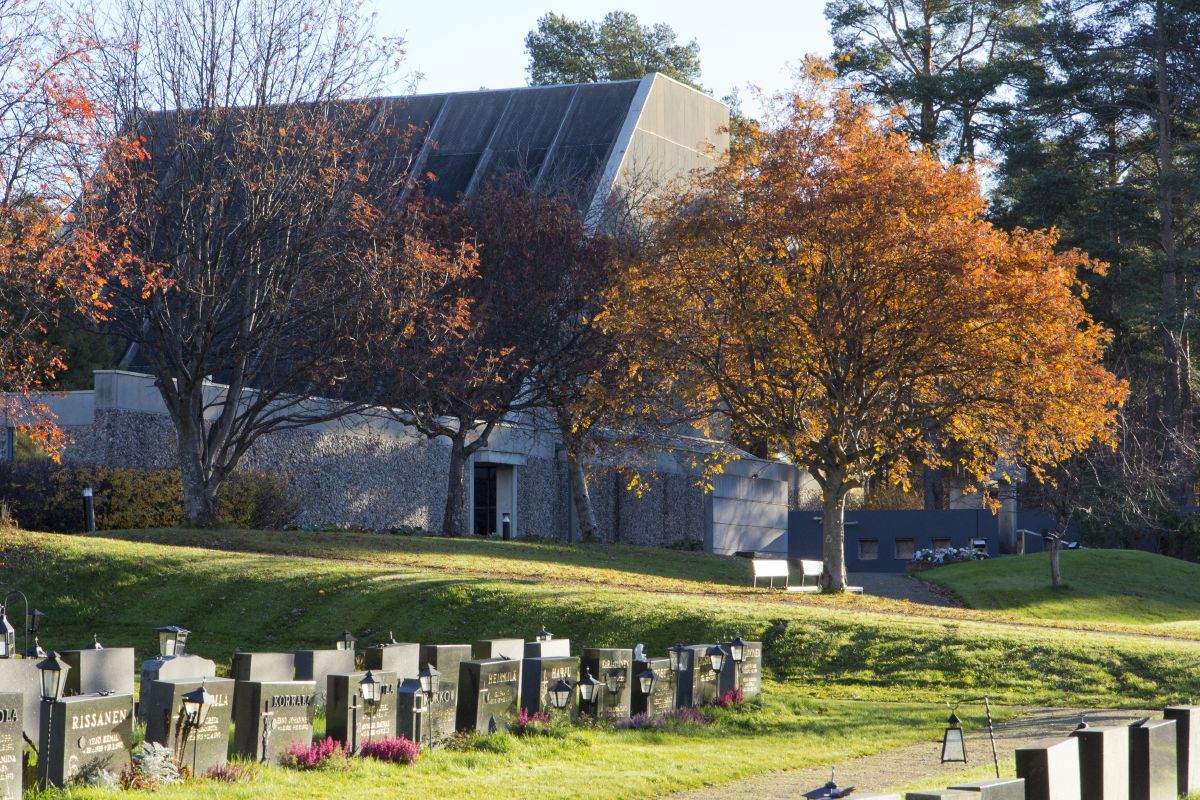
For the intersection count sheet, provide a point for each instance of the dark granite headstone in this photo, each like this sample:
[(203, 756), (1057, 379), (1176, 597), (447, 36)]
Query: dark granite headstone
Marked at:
[(318, 665), (204, 747), (86, 732), (348, 718), (260, 667), (513, 649), (274, 715), (171, 668), (549, 648), (12, 745), (663, 699), (1050, 769), (1153, 773), (443, 710), (606, 662), (1104, 762), (941, 794), (539, 674), (402, 658), (995, 789), (696, 684), (487, 694), (20, 675), (410, 712), (748, 677), (98, 671), (1187, 737), (875, 796)]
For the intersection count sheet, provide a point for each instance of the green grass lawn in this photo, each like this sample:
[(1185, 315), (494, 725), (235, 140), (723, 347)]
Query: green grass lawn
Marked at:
[(1125, 587)]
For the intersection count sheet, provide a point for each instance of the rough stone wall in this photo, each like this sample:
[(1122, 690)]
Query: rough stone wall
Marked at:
[(542, 499), (670, 512)]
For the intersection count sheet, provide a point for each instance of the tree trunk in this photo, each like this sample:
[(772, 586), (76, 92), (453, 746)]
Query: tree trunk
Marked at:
[(454, 520), (584, 510), (833, 533), (1055, 570), (199, 490)]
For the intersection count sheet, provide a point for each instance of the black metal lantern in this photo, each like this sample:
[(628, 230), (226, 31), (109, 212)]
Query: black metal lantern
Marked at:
[(612, 680), (172, 640), (430, 678), (95, 644), (560, 694), (648, 679), (954, 747), (543, 635), (8, 636), (197, 703), (716, 655), (53, 674), (587, 687), (33, 620), (346, 641), (737, 649), (369, 688), (676, 658)]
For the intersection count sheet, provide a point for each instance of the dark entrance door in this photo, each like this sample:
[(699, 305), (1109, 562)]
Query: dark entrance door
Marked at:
[(485, 499)]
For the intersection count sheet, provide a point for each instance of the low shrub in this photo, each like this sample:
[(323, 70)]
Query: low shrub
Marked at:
[(685, 715), (152, 765), (730, 698), (323, 755), (395, 749), (233, 772), (675, 718), (535, 723)]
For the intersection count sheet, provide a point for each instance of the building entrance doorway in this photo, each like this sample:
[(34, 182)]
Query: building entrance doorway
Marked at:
[(484, 518)]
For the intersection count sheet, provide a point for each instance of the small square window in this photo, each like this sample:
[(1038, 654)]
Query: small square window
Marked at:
[(905, 548), (979, 545), (941, 544), (868, 549)]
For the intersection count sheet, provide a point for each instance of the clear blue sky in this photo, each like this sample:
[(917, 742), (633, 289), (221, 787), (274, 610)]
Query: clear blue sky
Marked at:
[(467, 44)]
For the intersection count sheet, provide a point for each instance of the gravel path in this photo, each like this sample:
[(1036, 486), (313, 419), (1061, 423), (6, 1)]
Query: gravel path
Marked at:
[(907, 765), (899, 586)]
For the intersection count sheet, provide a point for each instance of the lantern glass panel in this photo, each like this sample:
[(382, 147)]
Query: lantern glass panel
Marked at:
[(560, 694), (8, 636), (737, 650), (717, 656), (954, 748), (369, 687), (612, 681), (587, 687), (648, 679)]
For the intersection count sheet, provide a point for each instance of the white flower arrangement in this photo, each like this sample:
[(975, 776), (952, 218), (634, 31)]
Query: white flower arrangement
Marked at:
[(948, 555)]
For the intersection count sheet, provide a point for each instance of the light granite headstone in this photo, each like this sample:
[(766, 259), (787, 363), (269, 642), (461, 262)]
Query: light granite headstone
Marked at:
[(94, 671), (610, 665), (1104, 762), (1050, 769), (85, 733), (548, 648), (1187, 752), (12, 745), (274, 715), (663, 698), (748, 677), (347, 716), (200, 748), (539, 674), (166, 668), (260, 667), (1153, 772), (442, 710), (318, 665), (995, 789), (402, 658)]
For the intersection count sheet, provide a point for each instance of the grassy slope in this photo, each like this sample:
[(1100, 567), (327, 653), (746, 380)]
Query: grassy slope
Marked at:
[(1126, 587)]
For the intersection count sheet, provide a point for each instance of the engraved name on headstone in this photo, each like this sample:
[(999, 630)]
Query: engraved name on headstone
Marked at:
[(613, 667), (260, 667), (21, 675), (349, 718), (197, 748), (274, 715), (539, 674), (747, 675), (442, 711), (85, 733), (12, 745), (487, 694)]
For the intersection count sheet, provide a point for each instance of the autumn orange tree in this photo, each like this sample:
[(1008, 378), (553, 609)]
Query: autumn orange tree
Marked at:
[(837, 292)]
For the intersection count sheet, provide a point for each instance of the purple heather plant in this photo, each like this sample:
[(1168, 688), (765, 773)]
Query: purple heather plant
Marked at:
[(326, 754), (395, 749)]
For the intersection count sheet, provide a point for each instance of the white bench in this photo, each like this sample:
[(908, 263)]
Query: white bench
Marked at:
[(771, 568), (813, 569)]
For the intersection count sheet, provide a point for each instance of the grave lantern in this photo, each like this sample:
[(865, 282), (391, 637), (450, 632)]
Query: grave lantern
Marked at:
[(675, 658), (369, 688), (430, 678), (737, 649), (33, 620), (52, 672), (543, 635), (560, 694), (717, 656), (196, 705), (648, 679), (954, 748), (346, 641), (587, 687), (8, 636), (172, 640), (612, 681)]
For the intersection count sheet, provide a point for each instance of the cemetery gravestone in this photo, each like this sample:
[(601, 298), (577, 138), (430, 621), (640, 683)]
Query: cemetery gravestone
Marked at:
[(12, 745), (874, 796), (274, 714), (168, 668), (347, 716), (550, 648), (487, 694), (539, 674), (1152, 762), (201, 748), (996, 789), (941, 794), (410, 711), (402, 658), (20, 675), (442, 708), (86, 733), (513, 649), (747, 675), (260, 667), (1050, 769), (1187, 752), (696, 683), (94, 671), (1104, 762), (318, 665), (613, 667), (663, 699)]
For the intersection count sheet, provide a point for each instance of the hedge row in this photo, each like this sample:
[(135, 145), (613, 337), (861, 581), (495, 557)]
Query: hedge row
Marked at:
[(43, 496)]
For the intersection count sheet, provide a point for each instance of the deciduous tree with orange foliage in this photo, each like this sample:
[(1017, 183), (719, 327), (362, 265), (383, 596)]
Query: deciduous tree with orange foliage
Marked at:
[(836, 291)]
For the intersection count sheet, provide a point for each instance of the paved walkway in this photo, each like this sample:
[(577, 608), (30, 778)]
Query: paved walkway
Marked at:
[(907, 765), (900, 586)]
